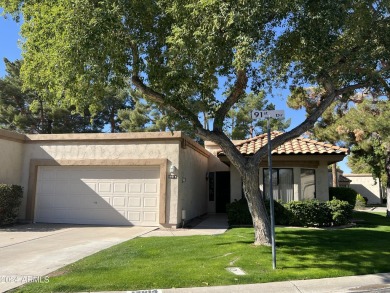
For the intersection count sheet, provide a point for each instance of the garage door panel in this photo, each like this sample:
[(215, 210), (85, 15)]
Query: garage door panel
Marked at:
[(107, 199), (134, 202), (119, 202), (104, 187), (150, 202), (46, 202), (65, 187), (135, 188), (151, 187), (134, 216), (98, 195), (46, 187), (90, 186), (150, 216), (58, 214), (120, 187)]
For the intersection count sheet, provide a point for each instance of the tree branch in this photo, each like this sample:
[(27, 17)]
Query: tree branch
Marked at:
[(159, 98), (155, 96), (235, 95), (135, 52), (227, 146), (306, 125)]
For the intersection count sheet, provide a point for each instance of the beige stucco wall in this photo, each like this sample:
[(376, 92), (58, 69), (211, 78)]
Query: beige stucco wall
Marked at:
[(366, 186), (322, 187), (11, 157), (235, 184), (192, 183), (106, 149)]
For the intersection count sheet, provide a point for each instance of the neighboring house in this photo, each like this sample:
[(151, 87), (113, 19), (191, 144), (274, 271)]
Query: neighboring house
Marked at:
[(147, 179), (367, 186), (300, 170), (342, 181)]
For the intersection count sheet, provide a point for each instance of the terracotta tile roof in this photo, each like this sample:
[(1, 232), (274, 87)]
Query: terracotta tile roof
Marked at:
[(299, 145), (344, 179)]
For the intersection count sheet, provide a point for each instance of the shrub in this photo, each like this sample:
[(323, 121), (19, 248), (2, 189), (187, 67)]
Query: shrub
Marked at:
[(10, 201), (360, 202), (309, 213), (343, 193), (238, 213), (282, 215), (341, 211)]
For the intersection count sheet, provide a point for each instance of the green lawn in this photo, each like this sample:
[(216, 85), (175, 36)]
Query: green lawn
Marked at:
[(166, 262)]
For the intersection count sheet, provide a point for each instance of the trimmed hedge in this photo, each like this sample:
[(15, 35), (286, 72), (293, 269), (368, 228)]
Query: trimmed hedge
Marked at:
[(310, 213), (238, 213), (10, 201), (343, 193)]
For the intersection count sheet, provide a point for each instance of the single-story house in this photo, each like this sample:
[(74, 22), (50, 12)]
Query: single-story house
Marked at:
[(300, 168), (150, 179), (367, 186), (342, 181)]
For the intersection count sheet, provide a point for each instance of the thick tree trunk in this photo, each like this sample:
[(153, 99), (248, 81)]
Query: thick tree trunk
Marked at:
[(334, 175), (112, 120), (257, 208), (387, 168), (249, 171), (388, 197)]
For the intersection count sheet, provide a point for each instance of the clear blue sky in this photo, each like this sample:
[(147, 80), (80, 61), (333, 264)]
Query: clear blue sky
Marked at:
[(9, 38), (8, 41)]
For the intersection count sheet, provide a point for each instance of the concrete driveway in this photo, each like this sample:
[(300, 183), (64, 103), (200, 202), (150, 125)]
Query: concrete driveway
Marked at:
[(28, 252)]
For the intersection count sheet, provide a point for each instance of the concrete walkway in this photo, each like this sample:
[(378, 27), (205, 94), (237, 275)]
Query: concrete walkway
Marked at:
[(378, 283), (212, 224), (375, 209), (31, 251), (356, 284)]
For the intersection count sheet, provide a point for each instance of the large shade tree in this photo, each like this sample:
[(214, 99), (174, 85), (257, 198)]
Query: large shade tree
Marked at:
[(26, 111), (242, 126), (180, 52), (365, 128)]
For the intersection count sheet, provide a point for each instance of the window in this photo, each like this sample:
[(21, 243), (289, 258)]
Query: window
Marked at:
[(282, 184), (308, 184)]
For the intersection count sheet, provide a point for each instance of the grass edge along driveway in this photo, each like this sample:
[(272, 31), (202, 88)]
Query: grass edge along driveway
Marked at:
[(173, 262)]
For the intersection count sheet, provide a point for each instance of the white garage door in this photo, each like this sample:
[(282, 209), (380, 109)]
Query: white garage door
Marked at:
[(98, 195)]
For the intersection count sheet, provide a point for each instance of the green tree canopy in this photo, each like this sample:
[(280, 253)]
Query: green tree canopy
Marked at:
[(365, 128), (176, 53), (239, 124), (26, 112)]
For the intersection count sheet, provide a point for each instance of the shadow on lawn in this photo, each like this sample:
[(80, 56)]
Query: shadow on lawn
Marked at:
[(370, 219), (360, 251)]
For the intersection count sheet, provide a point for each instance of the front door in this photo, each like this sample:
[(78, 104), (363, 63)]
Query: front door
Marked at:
[(222, 192)]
